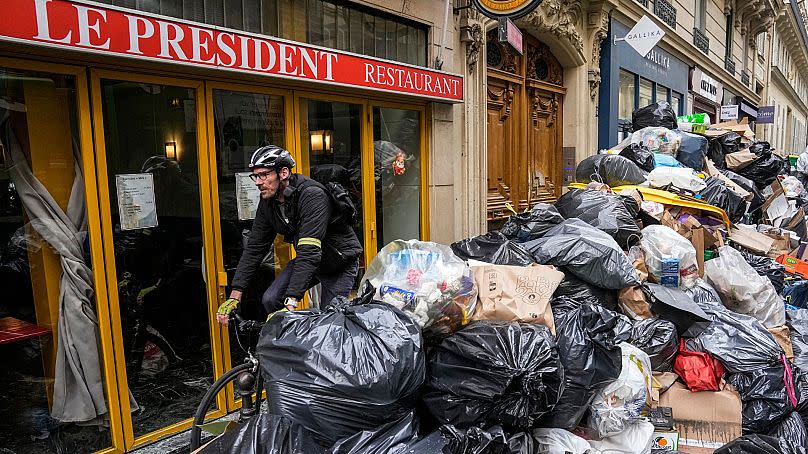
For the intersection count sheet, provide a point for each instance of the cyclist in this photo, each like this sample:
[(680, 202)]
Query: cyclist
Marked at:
[(301, 210)]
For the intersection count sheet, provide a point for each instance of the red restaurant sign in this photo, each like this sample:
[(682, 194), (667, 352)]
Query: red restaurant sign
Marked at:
[(96, 28)]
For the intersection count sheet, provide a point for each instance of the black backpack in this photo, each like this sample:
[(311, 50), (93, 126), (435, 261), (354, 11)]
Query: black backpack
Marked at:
[(343, 207)]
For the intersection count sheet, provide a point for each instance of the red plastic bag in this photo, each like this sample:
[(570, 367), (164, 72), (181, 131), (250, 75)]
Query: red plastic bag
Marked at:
[(699, 370)]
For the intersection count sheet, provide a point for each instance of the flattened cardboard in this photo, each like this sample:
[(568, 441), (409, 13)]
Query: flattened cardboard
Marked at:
[(740, 159), (752, 240), (781, 335), (705, 419)]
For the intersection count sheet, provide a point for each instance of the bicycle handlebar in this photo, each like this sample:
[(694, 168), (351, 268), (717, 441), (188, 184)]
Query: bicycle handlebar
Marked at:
[(244, 325)]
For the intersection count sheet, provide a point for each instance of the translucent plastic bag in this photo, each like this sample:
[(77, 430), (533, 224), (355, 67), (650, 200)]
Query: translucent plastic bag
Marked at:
[(427, 281), (621, 401), (658, 140), (636, 439), (680, 177), (793, 187), (660, 242), (559, 441), (742, 289)]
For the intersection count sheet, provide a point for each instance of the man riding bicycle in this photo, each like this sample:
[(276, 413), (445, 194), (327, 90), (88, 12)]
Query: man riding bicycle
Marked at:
[(301, 210)]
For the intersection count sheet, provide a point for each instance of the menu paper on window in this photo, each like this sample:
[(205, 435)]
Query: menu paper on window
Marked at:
[(136, 204), (247, 196)]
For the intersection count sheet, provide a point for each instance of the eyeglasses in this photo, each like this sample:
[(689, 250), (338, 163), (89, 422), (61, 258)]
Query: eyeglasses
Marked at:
[(260, 176)]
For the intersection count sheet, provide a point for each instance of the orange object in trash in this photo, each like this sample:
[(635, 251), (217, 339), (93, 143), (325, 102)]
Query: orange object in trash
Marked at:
[(794, 265)]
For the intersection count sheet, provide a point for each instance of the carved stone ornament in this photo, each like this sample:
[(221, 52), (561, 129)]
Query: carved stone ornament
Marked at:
[(594, 82), (559, 18), (475, 32), (542, 64)]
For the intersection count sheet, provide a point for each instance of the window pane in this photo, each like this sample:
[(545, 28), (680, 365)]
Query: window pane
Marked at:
[(315, 22), (661, 93), (38, 244), (233, 14), (357, 44), (646, 89), (381, 38), (397, 156), (676, 103), (269, 17), (252, 22), (343, 28), (369, 34), (329, 24), (626, 101)]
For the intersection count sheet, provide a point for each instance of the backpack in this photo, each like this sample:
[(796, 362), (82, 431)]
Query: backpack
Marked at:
[(344, 210)]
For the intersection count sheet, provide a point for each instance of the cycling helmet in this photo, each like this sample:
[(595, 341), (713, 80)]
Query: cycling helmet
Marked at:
[(271, 156)]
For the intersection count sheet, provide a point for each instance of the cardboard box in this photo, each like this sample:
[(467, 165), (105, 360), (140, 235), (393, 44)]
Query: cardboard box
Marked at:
[(665, 441), (705, 420)]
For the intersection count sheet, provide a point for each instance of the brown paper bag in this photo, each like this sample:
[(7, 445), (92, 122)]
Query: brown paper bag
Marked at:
[(740, 159), (632, 303), (516, 293), (781, 335)]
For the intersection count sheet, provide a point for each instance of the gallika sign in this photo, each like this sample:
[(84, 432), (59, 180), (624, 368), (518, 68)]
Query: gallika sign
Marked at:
[(101, 29)]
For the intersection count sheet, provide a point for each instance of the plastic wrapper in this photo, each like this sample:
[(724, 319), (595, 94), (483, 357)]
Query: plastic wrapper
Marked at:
[(692, 151), (768, 268), (718, 194), (620, 403), (793, 187), (606, 212), (680, 177), (795, 292), (798, 329), (758, 444), (658, 139), (559, 441), (676, 306), (765, 170), (343, 370), (659, 340), (613, 170), (665, 160), (792, 429), (742, 289), (532, 224), (590, 254), (265, 433), (765, 397), (493, 440), (698, 118), (588, 339), (703, 292), (721, 146), (802, 162), (388, 438), (699, 370), (640, 155), (636, 439), (492, 247), (427, 281), (496, 373), (660, 243), (659, 114), (580, 292)]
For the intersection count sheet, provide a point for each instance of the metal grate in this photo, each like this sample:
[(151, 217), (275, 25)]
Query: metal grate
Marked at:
[(729, 65), (701, 41), (642, 2), (745, 78), (665, 11)]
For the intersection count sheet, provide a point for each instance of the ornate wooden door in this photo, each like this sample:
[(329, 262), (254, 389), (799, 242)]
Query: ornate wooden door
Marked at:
[(524, 127)]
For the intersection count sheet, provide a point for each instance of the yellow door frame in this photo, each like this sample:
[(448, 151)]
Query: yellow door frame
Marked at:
[(94, 230), (221, 273), (130, 441)]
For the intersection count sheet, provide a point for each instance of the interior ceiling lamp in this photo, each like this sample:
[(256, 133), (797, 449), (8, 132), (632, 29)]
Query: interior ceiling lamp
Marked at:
[(171, 151), (320, 141)]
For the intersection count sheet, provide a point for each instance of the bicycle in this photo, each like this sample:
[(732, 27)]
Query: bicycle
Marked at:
[(247, 382)]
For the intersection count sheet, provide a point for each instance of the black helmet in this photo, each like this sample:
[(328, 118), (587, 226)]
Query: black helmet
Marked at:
[(271, 156)]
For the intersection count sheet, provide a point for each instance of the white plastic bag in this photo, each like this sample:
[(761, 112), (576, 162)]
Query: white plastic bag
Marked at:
[(621, 401), (680, 177), (560, 441), (792, 187), (802, 162), (742, 290), (660, 242), (427, 281), (658, 139), (636, 439)]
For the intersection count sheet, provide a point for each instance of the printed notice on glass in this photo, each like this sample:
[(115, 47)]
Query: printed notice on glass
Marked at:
[(136, 204), (247, 196)]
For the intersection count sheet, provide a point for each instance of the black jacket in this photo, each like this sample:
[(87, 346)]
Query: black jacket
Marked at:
[(321, 248)]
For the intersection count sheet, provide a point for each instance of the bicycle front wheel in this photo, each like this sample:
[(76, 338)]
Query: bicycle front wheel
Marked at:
[(209, 398)]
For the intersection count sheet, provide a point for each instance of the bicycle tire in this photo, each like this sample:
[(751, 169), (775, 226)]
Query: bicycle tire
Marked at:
[(209, 398)]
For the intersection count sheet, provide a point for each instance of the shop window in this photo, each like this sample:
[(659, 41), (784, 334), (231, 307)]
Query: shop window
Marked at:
[(320, 22), (49, 305), (626, 95), (661, 93), (677, 103), (646, 92)]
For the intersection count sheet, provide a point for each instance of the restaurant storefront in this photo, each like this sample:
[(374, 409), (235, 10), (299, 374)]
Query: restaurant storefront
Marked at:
[(124, 204)]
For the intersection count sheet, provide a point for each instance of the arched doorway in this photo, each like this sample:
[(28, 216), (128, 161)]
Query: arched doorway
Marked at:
[(524, 121)]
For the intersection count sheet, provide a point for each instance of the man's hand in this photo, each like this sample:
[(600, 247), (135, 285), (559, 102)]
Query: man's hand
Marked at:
[(223, 314), (290, 303)]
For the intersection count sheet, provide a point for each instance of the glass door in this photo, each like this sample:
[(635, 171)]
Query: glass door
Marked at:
[(156, 204)]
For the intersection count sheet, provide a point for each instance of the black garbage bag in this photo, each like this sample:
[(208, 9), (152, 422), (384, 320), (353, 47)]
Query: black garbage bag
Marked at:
[(795, 292), (718, 194), (739, 341), (764, 170), (757, 198), (588, 339), (434, 443), (757, 444), (792, 429), (343, 370), (265, 433), (678, 307), (494, 372), (692, 150), (612, 169), (657, 338), (764, 396), (532, 224), (492, 247), (760, 147), (767, 267), (590, 254), (606, 212), (395, 436), (721, 146), (639, 154), (659, 114), (703, 292), (797, 321), (581, 292), (474, 440)]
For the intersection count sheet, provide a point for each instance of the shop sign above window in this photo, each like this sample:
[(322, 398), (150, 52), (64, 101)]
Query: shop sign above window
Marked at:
[(87, 27), (644, 36), (729, 112), (497, 9), (765, 114), (707, 87)]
